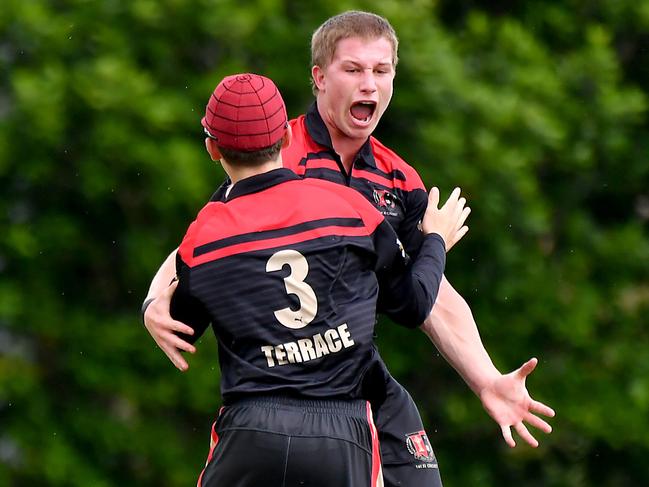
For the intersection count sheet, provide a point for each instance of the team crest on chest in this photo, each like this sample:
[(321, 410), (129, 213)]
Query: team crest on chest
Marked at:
[(384, 199)]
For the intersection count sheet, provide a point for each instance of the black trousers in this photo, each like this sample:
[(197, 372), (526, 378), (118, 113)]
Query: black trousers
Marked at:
[(407, 456), (282, 442)]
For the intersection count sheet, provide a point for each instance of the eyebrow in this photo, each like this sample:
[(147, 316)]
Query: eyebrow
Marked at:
[(356, 63)]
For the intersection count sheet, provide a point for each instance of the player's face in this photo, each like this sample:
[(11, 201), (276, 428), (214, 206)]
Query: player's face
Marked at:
[(356, 88)]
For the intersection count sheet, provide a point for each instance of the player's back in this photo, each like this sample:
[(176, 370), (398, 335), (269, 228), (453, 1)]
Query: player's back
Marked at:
[(284, 271)]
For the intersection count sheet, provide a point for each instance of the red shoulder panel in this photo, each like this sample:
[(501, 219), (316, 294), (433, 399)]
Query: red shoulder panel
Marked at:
[(370, 215), (280, 207), (388, 161)]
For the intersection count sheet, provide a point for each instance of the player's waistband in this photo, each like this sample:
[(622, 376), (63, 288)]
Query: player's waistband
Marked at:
[(344, 407)]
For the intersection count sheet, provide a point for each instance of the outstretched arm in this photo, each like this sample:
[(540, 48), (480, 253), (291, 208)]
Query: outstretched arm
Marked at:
[(157, 317), (452, 329)]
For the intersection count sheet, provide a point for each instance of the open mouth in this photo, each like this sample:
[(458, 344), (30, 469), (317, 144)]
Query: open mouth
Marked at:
[(363, 110)]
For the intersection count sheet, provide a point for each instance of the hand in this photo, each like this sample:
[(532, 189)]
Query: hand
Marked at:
[(161, 326), (447, 221), (507, 401)]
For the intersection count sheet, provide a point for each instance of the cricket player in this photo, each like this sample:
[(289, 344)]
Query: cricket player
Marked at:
[(290, 288)]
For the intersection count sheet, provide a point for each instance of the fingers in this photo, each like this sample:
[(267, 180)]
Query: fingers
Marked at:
[(158, 320), (540, 408), (456, 212), (455, 205), (163, 329), (433, 197), (459, 207), (448, 221), (523, 432), (507, 435), (177, 342), (457, 237), (176, 326), (463, 216), (164, 333), (157, 317), (461, 228), (176, 358), (172, 346), (527, 368), (538, 423), (453, 198)]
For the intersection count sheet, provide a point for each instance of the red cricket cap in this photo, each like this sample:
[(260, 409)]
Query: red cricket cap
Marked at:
[(245, 113)]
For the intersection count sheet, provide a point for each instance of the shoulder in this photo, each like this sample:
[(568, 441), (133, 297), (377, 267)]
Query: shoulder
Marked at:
[(297, 123), (301, 139), (301, 143), (390, 162), (201, 230), (327, 192)]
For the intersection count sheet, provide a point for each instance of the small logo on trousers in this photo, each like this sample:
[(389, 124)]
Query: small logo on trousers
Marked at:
[(419, 446)]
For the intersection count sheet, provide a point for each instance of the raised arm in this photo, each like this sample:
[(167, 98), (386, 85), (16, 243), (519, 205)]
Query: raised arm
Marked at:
[(408, 292)]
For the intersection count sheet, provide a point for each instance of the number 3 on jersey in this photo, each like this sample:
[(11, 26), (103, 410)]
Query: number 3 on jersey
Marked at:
[(294, 284)]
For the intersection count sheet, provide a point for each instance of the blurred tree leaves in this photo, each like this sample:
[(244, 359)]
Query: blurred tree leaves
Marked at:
[(537, 110)]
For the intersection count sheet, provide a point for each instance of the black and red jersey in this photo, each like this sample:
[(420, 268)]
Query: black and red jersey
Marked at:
[(390, 184), (285, 270), (378, 173)]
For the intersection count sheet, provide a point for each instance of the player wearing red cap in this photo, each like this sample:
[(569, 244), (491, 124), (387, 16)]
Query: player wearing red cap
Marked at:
[(290, 288), (354, 60)]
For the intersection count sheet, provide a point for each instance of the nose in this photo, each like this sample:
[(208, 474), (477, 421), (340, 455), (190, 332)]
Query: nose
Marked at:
[(368, 82)]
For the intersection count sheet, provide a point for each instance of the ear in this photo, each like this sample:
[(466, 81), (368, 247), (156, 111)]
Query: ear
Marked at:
[(318, 75), (212, 149), (288, 137)]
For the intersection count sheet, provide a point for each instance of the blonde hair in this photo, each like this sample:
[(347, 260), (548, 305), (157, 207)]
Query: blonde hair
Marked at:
[(353, 23)]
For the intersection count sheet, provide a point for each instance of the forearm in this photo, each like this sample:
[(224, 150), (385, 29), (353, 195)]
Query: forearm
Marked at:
[(164, 276), (408, 295), (452, 329), (185, 307)]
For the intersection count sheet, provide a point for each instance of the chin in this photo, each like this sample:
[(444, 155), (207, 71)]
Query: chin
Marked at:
[(358, 133), (366, 131)]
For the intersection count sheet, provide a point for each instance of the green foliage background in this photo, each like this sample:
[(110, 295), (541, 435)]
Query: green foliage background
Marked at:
[(538, 110)]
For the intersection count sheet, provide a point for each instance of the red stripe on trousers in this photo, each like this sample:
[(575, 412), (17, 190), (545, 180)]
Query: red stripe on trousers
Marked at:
[(214, 440), (376, 455)]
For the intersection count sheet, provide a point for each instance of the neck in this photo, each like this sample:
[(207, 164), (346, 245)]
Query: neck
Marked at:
[(345, 146), (237, 173)]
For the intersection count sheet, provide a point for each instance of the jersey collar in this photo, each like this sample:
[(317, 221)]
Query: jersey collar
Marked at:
[(317, 130), (260, 182)]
